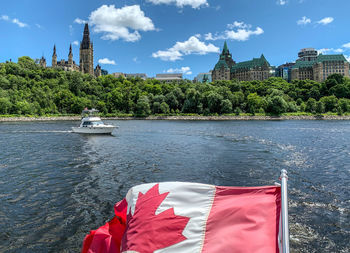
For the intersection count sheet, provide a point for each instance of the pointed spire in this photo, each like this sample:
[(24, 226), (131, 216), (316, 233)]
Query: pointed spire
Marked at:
[(86, 37), (54, 50), (86, 28), (70, 49), (225, 49)]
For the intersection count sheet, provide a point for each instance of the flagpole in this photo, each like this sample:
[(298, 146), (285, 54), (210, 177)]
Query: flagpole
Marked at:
[(285, 227)]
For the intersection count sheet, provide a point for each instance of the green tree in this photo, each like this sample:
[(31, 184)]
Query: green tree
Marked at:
[(171, 100), (27, 63), (276, 105), (192, 101), (164, 108), (340, 91), (24, 107), (156, 107), (214, 102), (142, 108), (226, 106), (5, 106), (344, 104), (330, 103), (311, 105), (254, 102), (320, 108)]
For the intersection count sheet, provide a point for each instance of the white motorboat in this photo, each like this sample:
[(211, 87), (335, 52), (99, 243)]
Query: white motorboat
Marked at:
[(91, 123)]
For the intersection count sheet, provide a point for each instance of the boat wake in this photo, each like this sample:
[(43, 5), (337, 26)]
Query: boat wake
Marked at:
[(40, 131)]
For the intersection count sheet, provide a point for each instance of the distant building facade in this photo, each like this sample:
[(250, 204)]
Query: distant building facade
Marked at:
[(285, 71), (169, 78), (136, 75), (320, 68), (256, 69), (307, 54), (203, 78), (118, 74), (227, 69)]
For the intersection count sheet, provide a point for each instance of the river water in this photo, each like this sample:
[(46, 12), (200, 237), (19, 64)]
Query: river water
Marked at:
[(55, 185)]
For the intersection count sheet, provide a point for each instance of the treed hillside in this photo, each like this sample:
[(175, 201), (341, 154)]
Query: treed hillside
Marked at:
[(26, 88)]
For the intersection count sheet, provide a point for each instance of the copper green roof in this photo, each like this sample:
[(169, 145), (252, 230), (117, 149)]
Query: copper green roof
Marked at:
[(330, 57), (225, 49), (221, 64), (256, 62), (320, 58), (303, 64)]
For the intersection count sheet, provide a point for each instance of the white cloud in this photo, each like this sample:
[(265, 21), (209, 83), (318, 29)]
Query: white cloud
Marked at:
[(237, 24), (19, 23), (135, 59), (330, 50), (106, 61), (75, 43), (304, 21), (115, 23), (39, 26), (282, 2), (243, 34), (239, 31), (168, 55), (5, 17), (183, 70), (342, 49), (347, 45), (79, 21), (208, 36), (326, 21), (191, 46), (195, 4), (15, 21)]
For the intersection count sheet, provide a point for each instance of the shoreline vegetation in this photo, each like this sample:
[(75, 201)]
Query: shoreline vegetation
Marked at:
[(245, 117), (28, 89)]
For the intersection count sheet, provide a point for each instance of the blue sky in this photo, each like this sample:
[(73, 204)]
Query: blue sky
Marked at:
[(158, 36)]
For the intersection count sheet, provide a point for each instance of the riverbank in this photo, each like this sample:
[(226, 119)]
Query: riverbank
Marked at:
[(214, 118)]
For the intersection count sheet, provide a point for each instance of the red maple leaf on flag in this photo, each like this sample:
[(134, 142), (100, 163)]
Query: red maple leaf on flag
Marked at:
[(145, 231)]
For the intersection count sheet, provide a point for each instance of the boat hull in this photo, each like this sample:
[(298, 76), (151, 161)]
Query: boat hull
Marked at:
[(94, 130)]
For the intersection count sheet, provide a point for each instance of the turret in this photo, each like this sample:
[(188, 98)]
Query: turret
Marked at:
[(42, 62), (54, 57), (98, 71), (70, 56)]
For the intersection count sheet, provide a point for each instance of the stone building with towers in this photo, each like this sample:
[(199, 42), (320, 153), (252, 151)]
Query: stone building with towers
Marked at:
[(86, 58), (42, 62), (227, 69), (63, 64), (222, 69)]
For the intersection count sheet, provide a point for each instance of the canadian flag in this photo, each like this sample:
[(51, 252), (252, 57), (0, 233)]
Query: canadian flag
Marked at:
[(181, 217)]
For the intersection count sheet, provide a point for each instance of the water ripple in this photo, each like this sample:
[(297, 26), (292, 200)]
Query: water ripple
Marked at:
[(55, 186)]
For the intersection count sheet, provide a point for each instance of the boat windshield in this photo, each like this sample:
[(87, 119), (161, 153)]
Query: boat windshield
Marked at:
[(96, 123), (92, 123)]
